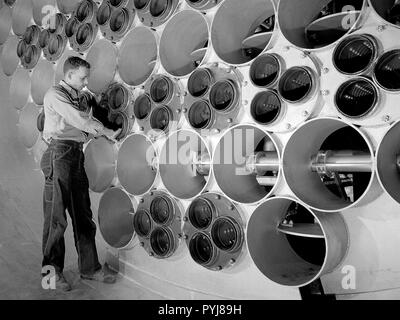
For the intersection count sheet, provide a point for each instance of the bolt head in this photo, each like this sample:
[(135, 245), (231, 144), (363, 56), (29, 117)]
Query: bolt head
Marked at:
[(325, 92), (245, 84), (305, 114), (229, 120), (325, 70), (288, 126), (142, 244), (185, 219), (184, 110), (386, 118), (245, 102)]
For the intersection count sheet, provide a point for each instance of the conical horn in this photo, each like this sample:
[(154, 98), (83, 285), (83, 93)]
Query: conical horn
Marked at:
[(292, 245), (203, 4), (387, 71), (388, 10)]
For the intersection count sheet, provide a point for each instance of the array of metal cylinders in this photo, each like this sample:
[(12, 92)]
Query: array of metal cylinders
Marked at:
[(222, 104)]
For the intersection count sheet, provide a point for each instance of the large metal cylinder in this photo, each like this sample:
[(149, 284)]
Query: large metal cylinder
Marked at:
[(42, 79), (184, 43), (27, 128), (293, 245), (214, 231), (138, 56), (20, 88), (388, 162), (115, 217), (9, 59), (182, 163), (100, 163), (319, 187), (5, 23), (21, 16), (103, 60), (234, 169), (387, 70), (136, 165), (316, 24), (238, 38)]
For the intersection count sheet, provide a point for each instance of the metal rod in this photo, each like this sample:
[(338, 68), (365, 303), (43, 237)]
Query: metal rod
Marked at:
[(203, 164), (341, 161), (261, 162)]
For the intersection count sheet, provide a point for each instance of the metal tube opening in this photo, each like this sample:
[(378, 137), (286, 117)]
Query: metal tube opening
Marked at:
[(266, 107), (116, 3), (200, 115), (84, 11), (387, 71), (162, 242), (162, 210), (142, 223), (71, 27), (313, 24), (84, 34), (159, 7), (118, 98), (103, 14), (199, 83), (59, 24), (31, 34), (355, 54), (201, 249), (161, 89), (141, 4), (265, 71), (160, 118), (226, 234), (202, 4), (44, 38), (119, 20), (296, 84), (388, 10), (357, 98), (21, 48), (56, 45), (223, 95), (31, 56), (142, 107), (201, 213)]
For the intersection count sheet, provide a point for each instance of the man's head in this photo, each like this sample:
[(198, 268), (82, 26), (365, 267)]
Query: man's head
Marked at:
[(76, 72)]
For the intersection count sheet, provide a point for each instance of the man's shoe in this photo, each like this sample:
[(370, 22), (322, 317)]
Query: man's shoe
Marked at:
[(61, 283), (100, 276)]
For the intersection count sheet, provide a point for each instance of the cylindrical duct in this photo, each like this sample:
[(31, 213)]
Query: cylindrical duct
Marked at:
[(324, 189), (137, 56), (202, 4), (357, 98), (388, 162), (5, 23), (67, 6), (136, 165), (230, 164), (21, 16), (118, 97), (103, 60), (266, 70), (389, 10), (292, 245), (42, 80), (116, 210), (100, 163), (214, 231), (266, 107), (31, 56), (55, 47), (182, 155), (355, 54), (41, 9), (154, 13), (31, 35), (184, 43), (238, 38), (387, 71), (9, 58), (314, 24), (27, 128), (20, 88)]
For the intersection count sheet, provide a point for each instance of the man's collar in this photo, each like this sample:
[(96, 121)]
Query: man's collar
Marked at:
[(69, 88)]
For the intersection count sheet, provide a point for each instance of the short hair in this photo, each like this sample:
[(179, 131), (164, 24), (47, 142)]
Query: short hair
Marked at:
[(73, 63)]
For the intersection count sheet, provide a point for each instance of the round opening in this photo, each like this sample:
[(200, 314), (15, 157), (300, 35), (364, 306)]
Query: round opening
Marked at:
[(116, 3), (222, 95), (55, 44), (266, 107), (160, 118), (159, 7), (140, 4), (160, 90), (58, 25), (199, 82), (21, 48), (84, 11), (44, 38), (119, 20), (161, 242), (84, 34), (264, 71), (356, 98), (119, 121), (31, 34), (118, 98), (200, 115), (142, 223), (31, 54), (355, 54), (201, 249), (70, 27), (201, 213), (103, 14), (161, 210), (388, 10), (9, 3), (295, 84), (387, 71), (224, 233), (142, 107), (40, 121)]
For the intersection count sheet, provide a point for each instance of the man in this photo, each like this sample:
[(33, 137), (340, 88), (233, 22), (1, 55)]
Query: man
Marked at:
[(66, 128)]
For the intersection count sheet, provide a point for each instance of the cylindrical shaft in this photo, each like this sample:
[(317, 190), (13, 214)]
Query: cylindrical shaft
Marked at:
[(341, 161)]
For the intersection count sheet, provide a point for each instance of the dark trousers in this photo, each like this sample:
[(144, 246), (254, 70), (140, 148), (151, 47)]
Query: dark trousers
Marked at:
[(67, 187)]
